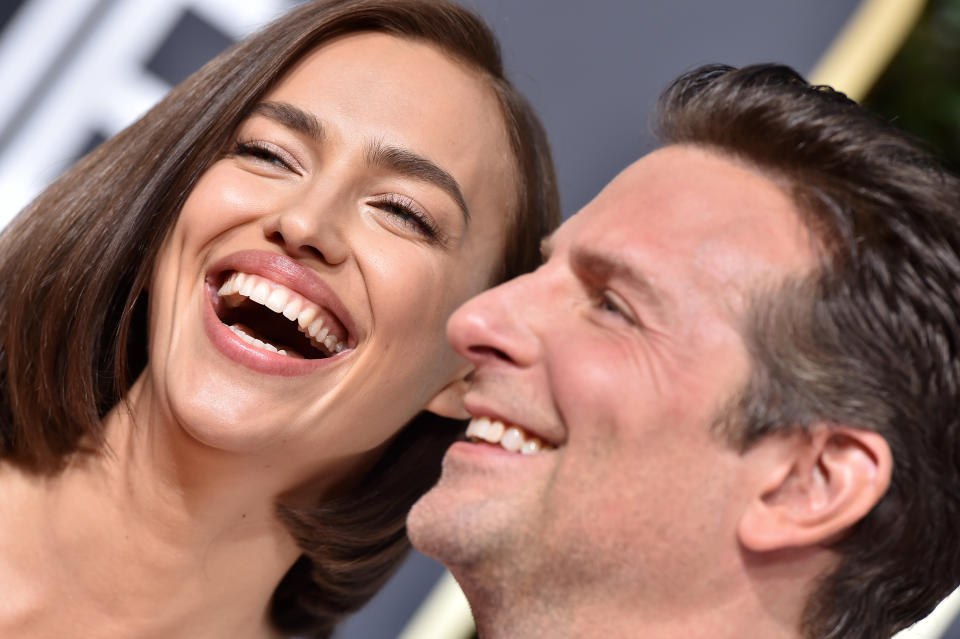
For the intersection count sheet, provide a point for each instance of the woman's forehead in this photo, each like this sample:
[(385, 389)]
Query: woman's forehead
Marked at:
[(399, 92)]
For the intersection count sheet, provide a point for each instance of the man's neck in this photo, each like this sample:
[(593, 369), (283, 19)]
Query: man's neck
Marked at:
[(579, 623), (731, 613)]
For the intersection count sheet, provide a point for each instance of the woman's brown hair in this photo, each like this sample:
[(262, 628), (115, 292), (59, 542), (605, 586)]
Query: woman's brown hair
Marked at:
[(74, 264)]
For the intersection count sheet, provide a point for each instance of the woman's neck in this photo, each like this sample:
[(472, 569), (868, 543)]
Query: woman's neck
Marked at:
[(154, 536)]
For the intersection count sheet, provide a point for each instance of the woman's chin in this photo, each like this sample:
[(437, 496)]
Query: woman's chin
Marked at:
[(224, 414)]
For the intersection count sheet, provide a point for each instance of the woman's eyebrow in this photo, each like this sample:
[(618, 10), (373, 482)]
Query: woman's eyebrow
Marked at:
[(394, 158), (292, 118), (408, 163)]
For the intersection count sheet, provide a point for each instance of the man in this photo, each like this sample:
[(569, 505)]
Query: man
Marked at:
[(736, 378)]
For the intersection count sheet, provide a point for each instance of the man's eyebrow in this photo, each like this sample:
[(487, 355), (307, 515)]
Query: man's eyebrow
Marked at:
[(291, 117), (604, 266), (410, 164)]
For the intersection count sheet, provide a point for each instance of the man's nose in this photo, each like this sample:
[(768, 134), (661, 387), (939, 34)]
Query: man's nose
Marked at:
[(496, 327)]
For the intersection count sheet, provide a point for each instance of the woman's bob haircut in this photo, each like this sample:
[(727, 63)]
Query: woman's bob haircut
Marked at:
[(75, 262)]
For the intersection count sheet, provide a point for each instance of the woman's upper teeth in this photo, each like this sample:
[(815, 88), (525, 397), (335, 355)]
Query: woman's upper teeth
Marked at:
[(510, 437), (280, 299)]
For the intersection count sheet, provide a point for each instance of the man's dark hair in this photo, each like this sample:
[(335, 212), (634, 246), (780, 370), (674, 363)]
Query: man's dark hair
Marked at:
[(869, 339)]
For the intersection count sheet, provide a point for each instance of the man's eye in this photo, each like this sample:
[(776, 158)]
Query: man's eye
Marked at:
[(607, 305), (265, 152), (609, 302)]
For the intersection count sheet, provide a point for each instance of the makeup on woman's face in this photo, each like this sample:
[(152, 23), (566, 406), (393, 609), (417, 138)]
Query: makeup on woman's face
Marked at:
[(298, 305)]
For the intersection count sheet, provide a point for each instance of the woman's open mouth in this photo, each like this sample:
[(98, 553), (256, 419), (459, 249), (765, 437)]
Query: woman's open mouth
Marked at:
[(275, 318)]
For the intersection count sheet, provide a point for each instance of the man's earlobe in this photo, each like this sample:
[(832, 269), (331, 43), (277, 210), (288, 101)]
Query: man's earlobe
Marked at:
[(823, 483), (449, 401)]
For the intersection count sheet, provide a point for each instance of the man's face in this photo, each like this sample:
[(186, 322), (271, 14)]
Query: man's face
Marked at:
[(617, 354)]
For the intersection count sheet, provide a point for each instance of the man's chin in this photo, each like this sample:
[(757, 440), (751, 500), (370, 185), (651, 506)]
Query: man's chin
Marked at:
[(444, 526), (427, 525)]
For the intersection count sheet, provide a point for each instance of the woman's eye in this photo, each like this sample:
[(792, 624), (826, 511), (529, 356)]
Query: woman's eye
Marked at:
[(265, 152), (406, 213)]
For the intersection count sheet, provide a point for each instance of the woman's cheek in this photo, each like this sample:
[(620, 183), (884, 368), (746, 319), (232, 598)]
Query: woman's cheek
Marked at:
[(226, 197)]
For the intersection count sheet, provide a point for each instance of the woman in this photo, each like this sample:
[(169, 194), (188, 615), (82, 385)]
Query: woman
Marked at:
[(303, 213)]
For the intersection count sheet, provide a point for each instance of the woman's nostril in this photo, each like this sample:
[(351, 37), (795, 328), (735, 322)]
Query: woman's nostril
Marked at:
[(277, 237), (312, 250)]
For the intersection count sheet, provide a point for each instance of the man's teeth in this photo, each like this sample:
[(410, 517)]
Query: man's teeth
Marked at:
[(280, 300), (511, 438)]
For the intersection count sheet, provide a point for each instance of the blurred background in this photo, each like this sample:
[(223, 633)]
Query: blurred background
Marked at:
[(76, 72), (920, 89)]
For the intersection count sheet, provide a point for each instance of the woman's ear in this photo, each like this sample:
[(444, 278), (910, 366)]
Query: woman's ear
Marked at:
[(449, 401), (815, 487)]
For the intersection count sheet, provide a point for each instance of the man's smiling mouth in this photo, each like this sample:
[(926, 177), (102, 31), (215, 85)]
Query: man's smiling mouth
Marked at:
[(277, 319), (510, 437)]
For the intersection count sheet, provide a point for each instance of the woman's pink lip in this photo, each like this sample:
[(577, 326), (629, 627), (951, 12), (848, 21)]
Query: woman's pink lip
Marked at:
[(293, 275), (249, 356)]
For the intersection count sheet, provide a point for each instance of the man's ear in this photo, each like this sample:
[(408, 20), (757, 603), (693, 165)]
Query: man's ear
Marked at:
[(814, 486), (449, 401)]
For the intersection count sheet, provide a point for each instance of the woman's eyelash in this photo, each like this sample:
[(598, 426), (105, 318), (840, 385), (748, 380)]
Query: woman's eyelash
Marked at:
[(403, 209), (409, 214), (262, 151)]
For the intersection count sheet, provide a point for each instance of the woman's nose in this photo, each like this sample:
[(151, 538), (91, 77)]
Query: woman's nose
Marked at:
[(311, 231), (497, 327)]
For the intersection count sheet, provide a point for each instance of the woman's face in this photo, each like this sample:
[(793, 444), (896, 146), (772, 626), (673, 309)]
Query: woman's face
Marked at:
[(364, 199)]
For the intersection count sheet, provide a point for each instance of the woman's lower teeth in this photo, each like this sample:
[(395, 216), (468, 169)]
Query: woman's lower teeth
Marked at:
[(250, 339)]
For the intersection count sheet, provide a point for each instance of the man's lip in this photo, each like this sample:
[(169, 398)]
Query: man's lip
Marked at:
[(291, 274)]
